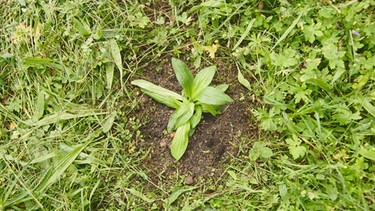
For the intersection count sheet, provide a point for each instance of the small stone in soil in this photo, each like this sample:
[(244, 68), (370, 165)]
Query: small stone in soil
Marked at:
[(189, 180)]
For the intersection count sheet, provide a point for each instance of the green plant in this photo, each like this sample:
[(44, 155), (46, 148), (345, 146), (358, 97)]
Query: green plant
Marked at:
[(197, 98)]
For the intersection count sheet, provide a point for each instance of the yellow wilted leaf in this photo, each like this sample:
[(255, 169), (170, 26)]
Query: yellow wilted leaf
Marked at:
[(211, 50)]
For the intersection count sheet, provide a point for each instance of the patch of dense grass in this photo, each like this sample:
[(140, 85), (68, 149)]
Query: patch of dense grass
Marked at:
[(68, 136)]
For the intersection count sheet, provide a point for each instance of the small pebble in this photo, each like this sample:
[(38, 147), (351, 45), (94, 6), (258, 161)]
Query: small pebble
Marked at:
[(189, 180)]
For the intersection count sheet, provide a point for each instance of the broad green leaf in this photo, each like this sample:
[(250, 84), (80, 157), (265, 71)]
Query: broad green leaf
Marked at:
[(266, 152), (183, 75), (213, 96), (159, 94), (232, 174), (175, 194), (39, 107), (338, 74), (180, 141), (222, 87), (109, 70), (140, 195), (369, 154), (367, 105), (109, 122), (203, 79), (212, 109), (197, 116), (295, 149), (212, 3), (116, 55), (181, 115), (82, 28), (260, 149), (321, 83), (37, 62), (242, 80)]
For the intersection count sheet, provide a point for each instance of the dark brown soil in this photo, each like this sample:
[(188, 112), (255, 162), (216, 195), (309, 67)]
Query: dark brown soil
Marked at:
[(216, 139)]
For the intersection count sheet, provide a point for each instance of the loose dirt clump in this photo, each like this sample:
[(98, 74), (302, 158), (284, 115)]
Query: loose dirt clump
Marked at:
[(216, 139)]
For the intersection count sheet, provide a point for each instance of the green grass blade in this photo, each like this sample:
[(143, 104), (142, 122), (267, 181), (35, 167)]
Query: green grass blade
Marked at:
[(286, 33), (25, 196), (59, 167), (64, 115), (245, 34)]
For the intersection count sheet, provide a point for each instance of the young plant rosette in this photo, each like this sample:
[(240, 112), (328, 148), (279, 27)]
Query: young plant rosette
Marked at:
[(197, 97)]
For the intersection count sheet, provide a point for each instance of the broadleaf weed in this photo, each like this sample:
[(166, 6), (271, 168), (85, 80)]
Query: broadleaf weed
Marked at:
[(197, 97)]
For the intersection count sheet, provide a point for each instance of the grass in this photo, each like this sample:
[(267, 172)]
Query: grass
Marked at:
[(69, 136)]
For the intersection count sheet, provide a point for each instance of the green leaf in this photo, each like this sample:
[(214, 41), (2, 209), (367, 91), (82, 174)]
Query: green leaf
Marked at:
[(39, 107), (139, 195), (183, 75), (109, 70), (287, 32), (180, 141), (367, 105), (213, 110), (181, 115), (160, 94), (203, 79), (369, 154), (339, 72), (320, 83), (82, 28), (56, 117), (245, 34), (222, 87), (109, 122), (197, 116), (242, 80), (116, 55), (260, 149), (295, 149), (213, 96), (42, 62), (176, 193)]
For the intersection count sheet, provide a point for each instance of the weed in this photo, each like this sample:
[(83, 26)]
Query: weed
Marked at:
[(197, 98)]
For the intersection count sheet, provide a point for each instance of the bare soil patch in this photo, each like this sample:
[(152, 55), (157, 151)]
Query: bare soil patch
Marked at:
[(216, 140)]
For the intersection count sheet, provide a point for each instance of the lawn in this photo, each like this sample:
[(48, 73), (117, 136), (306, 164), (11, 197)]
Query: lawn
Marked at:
[(287, 123)]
